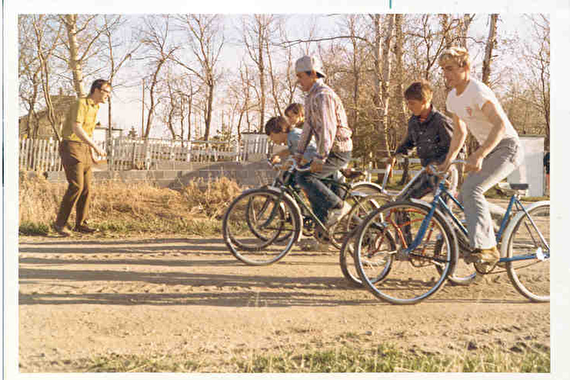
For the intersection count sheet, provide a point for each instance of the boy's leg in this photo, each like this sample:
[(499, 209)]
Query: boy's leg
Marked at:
[(321, 197), (496, 166)]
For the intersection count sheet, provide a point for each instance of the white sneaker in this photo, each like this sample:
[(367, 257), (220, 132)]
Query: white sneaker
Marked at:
[(338, 213)]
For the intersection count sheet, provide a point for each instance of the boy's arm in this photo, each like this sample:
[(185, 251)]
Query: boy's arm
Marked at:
[(304, 140), (405, 145), (445, 132)]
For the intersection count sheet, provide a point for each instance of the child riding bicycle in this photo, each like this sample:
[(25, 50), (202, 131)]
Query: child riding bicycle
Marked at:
[(430, 132)]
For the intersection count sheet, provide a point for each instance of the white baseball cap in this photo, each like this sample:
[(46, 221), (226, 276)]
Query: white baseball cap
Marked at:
[(309, 63)]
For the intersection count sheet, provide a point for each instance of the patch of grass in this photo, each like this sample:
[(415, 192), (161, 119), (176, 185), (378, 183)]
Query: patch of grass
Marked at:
[(383, 358), (119, 209), (389, 359), (133, 363), (33, 229)]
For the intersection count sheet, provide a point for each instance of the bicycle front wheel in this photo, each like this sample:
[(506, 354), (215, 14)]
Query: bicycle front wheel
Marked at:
[(256, 223), (528, 253), (413, 275)]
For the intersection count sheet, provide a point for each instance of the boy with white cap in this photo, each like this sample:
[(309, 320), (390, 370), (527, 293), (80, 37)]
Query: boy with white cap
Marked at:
[(325, 119)]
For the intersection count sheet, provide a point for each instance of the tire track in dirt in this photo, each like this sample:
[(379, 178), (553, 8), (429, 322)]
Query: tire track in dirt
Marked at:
[(189, 296)]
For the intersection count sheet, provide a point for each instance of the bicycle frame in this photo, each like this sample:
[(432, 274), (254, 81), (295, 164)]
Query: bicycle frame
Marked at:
[(437, 201), (286, 187)]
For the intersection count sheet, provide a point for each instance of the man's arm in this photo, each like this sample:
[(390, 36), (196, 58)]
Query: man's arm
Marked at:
[(79, 132), (495, 136), (457, 141), (326, 131)]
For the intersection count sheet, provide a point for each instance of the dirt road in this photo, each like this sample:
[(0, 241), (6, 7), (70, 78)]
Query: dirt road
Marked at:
[(177, 296)]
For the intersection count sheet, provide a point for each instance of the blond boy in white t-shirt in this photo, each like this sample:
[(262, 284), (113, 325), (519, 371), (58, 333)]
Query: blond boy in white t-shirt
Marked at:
[(475, 108)]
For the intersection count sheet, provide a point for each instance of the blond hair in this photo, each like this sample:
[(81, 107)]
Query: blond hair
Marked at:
[(457, 55)]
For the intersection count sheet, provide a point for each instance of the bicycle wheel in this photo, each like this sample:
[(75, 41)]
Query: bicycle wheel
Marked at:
[(348, 227), (255, 221), (530, 237), (413, 276), (363, 197), (254, 209), (463, 273), (381, 264)]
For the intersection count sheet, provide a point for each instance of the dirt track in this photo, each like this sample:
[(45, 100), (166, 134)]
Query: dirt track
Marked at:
[(82, 298)]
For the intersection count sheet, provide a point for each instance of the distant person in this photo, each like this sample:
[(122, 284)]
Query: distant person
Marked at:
[(325, 120), (476, 109), (546, 163), (295, 113), (430, 132), (77, 155)]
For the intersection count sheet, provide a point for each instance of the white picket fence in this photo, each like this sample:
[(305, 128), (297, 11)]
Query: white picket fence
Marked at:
[(144, 154)]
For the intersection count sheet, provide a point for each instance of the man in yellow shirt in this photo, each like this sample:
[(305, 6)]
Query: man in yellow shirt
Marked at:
[(76, 150)]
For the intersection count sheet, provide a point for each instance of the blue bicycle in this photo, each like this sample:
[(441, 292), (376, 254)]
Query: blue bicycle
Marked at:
[(406, 250)]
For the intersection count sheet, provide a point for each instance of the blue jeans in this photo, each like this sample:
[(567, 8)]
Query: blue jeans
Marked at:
[(503, 160), (321, 197)]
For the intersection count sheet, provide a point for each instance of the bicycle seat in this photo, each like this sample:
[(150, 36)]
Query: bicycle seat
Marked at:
[(513, 188), (519, 186), (351, 173)]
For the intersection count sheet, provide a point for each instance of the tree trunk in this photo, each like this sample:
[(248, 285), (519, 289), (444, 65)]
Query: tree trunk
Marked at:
[(382, 81), (74, 62), (208, 113), (491, 43)]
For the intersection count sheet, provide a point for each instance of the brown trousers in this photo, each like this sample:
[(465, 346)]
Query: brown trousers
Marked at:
[(76, 160)]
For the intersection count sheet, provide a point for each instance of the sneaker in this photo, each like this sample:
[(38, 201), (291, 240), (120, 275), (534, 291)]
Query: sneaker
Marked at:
[(85, 229), (488, 256), (61, 230), (337, 214)]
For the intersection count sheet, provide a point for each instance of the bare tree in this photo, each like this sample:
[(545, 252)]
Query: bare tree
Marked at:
[(29, 72), (491, 43), (45, 49), (257, 32), (155, 37), (82, 35), (206, 40), (382, 66), (537, 57), (112, 24)]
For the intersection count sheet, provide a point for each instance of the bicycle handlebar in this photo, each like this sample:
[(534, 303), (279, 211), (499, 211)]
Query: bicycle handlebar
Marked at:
[(443, 174)]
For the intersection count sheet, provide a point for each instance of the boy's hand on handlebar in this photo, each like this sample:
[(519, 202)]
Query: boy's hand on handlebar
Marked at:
[(440, 169)]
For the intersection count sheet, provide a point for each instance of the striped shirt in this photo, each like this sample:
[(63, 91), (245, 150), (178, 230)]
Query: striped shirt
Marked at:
[(326, 121)]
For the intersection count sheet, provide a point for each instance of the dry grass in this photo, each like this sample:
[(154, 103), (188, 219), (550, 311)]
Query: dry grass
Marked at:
[(350, 359), (122, 208)]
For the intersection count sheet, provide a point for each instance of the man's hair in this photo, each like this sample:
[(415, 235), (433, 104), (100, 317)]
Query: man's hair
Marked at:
[(420, 90), (456, 54), (98, 84), (276, 124), (295, 109)]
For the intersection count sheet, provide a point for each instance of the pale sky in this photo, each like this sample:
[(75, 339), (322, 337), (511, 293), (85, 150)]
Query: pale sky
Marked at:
[(127, 105)]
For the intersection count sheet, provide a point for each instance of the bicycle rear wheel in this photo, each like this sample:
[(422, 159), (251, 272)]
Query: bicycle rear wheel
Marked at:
[(256, 222), (349, 225), (363, 197), (530, 237), (415, 276)]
